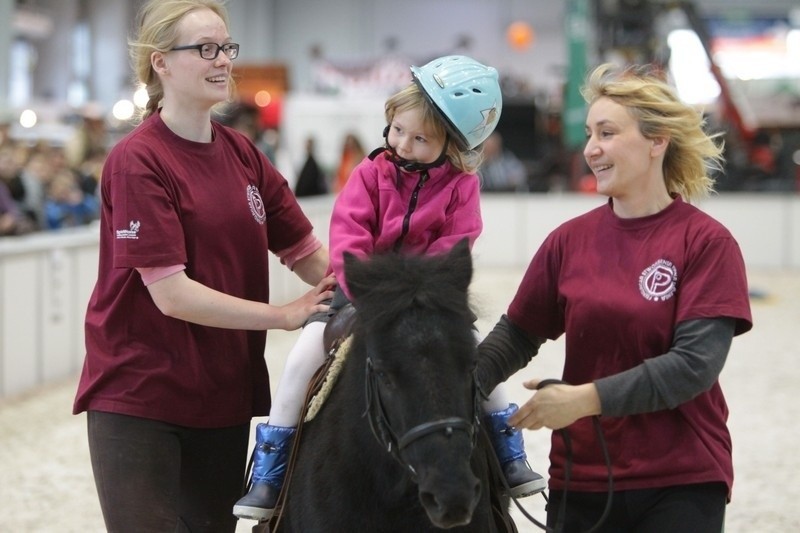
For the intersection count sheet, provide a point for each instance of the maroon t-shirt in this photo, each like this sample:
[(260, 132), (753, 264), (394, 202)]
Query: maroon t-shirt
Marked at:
[(218, 208), (617, 288)]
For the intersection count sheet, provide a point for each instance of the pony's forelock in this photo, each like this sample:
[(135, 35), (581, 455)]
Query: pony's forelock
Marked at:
[(398, 282)]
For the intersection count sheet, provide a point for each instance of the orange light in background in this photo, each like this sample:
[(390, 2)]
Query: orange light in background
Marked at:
[(263, 98), (520, 35), (271, 114)]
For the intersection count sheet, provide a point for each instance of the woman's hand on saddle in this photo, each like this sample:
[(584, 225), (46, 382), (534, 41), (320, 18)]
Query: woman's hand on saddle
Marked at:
[(314, 301), (556, 406)]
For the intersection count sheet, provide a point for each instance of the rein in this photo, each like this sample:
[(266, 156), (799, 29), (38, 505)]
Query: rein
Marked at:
[(382, 429)]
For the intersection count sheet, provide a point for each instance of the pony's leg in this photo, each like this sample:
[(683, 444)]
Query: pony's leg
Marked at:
[(274, 440), (510, 449)]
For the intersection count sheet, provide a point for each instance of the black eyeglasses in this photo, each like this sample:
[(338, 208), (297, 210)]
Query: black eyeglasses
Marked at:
[(210, 51)]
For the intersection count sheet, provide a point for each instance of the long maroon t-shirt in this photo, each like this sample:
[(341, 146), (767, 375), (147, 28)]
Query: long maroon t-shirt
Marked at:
[(617, 288), (218, 208)]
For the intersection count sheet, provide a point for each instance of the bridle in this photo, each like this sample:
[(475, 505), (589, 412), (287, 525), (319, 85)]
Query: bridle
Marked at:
[(382, 428)]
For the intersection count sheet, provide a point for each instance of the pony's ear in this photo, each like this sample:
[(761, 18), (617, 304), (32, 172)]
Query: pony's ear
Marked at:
[(459, 264), (353, 271)]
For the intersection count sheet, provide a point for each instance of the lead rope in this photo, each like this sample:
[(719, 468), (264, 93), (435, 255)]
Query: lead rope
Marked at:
[(562, 508)]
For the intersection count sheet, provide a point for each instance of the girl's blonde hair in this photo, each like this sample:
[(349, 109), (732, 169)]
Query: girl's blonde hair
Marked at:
[(412, 97), (691, 152), (157, 31)]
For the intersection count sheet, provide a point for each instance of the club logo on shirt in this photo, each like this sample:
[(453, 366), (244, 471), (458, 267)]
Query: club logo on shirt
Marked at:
[(132, 232), (256, 204), (658, 281)]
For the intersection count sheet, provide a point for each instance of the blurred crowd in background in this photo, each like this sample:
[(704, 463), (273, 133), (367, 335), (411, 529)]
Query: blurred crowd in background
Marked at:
[(47, 186)]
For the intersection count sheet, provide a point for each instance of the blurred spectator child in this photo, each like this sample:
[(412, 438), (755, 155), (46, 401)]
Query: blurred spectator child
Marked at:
[(66, 205)]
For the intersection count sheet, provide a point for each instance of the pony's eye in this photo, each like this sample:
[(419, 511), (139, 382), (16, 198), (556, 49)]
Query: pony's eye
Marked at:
[(384, 377)]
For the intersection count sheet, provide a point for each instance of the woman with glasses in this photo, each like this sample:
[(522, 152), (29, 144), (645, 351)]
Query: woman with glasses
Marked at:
[(176, 326)]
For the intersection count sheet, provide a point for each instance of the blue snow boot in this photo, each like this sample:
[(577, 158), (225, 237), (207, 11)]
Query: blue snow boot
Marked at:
[(271, 453), (510, 450)]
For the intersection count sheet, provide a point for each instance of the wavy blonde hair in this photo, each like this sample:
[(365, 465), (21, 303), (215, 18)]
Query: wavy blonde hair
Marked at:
[(691, 152), (157, 31), (413, 98)]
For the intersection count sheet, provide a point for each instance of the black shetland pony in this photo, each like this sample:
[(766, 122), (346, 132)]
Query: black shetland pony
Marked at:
[(397, 445)]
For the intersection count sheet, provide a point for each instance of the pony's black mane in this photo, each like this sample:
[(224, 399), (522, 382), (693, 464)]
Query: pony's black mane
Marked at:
[(398, 283)]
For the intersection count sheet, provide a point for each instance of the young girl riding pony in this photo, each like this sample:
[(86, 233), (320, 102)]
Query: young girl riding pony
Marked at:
[(419, 194)]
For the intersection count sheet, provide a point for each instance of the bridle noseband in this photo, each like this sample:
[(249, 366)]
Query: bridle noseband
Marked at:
[(387, 437)]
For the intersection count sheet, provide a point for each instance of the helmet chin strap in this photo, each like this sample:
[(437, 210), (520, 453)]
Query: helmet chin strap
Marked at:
[(405, 164)]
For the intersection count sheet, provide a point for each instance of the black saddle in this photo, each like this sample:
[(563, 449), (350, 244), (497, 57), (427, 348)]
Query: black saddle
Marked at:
[(339, 327)]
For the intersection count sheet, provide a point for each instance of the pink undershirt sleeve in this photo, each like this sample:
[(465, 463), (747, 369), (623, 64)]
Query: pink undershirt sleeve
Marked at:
[(153, 274), (288, 257), (307, 246)]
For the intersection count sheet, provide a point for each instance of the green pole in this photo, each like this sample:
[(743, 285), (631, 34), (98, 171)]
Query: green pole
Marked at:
[(574, 112)]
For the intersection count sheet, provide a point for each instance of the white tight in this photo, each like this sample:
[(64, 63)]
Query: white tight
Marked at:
[(305, 358)]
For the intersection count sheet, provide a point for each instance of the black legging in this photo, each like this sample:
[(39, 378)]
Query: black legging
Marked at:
[(686, 508), (162, 478)]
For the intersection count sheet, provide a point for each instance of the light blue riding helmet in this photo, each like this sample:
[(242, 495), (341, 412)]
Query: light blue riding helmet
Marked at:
[(466, 94)]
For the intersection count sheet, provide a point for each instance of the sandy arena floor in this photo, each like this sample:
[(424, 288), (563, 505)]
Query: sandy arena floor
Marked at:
[(46, 481)]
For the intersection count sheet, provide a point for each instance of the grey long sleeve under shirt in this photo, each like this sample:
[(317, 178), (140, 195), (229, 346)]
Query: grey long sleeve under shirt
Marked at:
[(692, 365)]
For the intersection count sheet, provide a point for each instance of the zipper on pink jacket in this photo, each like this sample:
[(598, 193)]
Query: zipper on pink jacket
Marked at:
[(412, 205)]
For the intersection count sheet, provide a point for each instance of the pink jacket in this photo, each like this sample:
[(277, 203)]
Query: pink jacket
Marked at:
[(369, 213)]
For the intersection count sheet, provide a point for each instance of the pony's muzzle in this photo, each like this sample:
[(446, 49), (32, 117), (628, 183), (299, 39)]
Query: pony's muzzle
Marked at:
[(451, 504)]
